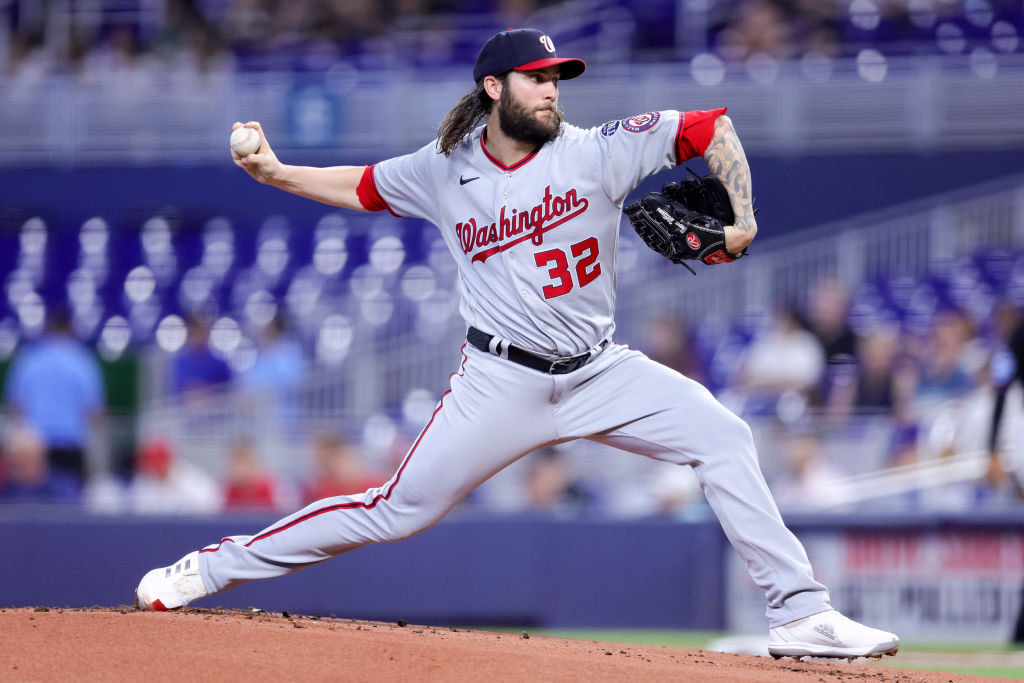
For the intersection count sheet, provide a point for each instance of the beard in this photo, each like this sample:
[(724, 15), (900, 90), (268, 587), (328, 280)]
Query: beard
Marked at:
[(522, 125)]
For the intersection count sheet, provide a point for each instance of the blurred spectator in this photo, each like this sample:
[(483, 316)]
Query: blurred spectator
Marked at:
[(670, 343), (903, 440), (785, 358), (340, 471), (550, 487), (905, 427), (195, 367), (941, 373), (27, 59), (878, 374), (883, 384), (27, 477), (279, 370), (281, 363), (756, 27), (874, 383), (259, 35), (164, 484), (114, 56), (827, 320), (55, 384), (677, 493), (820, 36), (248, 486), (191, 42), (810, 482)]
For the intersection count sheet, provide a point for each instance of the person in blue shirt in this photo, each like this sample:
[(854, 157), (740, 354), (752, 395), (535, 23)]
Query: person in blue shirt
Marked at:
[(278, 373), (196, 367), (55, 385)]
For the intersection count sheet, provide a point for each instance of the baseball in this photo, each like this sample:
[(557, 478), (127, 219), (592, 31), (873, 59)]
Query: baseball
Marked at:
[(244, 141)]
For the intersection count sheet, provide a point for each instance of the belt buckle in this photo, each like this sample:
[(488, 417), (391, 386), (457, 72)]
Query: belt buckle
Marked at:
[(566, 365)]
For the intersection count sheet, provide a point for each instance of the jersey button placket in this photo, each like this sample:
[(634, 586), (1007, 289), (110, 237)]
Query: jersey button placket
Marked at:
[(510, 254)]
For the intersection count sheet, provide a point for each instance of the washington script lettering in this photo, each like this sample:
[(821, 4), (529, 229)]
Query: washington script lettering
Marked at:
[(521, 225)]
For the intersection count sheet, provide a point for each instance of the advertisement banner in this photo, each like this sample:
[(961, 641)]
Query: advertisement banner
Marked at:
[(963, 585)]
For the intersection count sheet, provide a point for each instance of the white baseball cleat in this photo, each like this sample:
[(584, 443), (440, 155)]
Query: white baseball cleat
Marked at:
[(830, 634), (171, 588)]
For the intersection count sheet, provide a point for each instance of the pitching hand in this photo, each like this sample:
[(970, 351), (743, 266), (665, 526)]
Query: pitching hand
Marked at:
[(261, 164)]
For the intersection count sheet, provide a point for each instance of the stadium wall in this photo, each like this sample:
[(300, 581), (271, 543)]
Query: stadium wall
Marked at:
[(792, 191), (655, 574), (927, 575)]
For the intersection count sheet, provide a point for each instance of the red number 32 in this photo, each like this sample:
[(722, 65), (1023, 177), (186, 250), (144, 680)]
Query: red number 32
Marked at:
[(587, 267)]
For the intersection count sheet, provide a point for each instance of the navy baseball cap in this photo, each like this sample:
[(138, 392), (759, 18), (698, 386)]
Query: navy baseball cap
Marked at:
[(522, 49)]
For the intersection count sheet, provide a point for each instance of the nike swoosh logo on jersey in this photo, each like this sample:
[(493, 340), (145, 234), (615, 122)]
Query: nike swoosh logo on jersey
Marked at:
[(463, 181)]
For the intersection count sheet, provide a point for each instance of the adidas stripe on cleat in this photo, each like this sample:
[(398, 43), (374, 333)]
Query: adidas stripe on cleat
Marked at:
[(830, 634), (171, 588)]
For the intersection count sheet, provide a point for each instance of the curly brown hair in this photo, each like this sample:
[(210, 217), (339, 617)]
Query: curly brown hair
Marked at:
[(464, 117)]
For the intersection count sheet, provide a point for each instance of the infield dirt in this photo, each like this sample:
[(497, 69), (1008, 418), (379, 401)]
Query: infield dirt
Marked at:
[(122, 643)]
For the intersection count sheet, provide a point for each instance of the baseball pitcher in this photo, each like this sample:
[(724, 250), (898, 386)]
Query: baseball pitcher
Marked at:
[(529, 207)]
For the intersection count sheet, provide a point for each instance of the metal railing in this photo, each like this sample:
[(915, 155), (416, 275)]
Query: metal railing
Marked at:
[(156, 116)]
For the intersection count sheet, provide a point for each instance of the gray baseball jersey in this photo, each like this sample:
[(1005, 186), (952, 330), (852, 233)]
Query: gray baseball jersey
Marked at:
[(535, 242), (535, 245)]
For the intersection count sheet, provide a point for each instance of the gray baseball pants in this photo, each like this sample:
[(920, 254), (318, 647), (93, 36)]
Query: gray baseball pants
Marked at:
[(498, 411)]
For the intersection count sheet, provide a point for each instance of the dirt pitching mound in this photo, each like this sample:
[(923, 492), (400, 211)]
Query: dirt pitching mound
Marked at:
[(122, 643)]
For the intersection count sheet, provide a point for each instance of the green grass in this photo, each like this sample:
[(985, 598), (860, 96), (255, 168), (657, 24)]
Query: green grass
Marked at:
[(1015, 673), (690, 640), (913, 654)]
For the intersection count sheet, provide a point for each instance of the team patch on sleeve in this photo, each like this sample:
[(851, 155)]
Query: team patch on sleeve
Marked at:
[(609, 129), (640, 122)]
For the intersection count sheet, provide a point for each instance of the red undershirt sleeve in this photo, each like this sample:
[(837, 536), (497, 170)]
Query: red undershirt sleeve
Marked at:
[(367, 192), (696, 128)]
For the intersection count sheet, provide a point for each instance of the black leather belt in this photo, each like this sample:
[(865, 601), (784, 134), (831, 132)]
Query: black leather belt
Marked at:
[(559, 366)]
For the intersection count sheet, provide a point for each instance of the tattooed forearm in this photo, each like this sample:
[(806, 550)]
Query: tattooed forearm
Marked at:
[(728, 163)]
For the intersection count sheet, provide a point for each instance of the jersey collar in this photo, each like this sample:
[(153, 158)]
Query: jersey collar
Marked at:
[(496, 162)]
